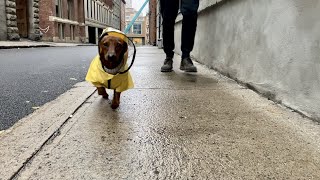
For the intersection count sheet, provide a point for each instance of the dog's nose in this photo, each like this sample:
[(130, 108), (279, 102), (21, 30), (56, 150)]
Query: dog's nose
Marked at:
[(111, 57)]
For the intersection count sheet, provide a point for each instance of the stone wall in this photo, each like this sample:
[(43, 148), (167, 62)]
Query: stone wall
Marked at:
[(272, 46), (12, 29), (11, 20), (34, 31)]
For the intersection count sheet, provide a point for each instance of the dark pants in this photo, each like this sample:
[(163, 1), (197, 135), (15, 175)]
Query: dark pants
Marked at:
[(169, 11)]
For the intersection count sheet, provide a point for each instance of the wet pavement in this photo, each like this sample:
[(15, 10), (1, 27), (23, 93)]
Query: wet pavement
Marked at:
[(171, 126)]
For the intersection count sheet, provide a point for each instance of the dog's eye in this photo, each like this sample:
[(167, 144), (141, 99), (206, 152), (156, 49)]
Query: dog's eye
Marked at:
[(119, 46), (106, 44)]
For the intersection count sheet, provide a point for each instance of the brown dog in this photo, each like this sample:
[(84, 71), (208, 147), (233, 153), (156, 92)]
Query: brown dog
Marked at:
[(104, 71), (111, 51)]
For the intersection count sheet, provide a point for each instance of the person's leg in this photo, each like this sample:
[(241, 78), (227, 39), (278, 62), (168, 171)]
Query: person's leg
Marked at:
[(189, 10), (169, 10)]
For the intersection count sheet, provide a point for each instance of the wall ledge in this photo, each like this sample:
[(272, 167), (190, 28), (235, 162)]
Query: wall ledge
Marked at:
[(204, 4)]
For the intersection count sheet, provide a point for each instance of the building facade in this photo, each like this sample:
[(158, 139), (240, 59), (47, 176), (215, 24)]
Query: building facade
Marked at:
[(128, 3), (147, 29), (19, 19), (98, 15), (158, 25), (123, 16), (152, 26), (137, 31), (119, 14), (116, 14), (59, 20), (101, 14), (62, 20)]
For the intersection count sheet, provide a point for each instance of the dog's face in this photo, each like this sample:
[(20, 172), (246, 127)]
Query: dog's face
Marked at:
[(111, 51)]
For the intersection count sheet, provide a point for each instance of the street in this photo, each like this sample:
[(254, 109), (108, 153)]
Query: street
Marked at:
[(31, 77)]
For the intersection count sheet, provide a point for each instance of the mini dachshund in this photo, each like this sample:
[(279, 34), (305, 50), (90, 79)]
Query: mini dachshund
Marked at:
[(105, 69)]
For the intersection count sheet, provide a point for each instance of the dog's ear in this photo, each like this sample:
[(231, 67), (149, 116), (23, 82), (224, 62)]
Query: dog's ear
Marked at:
[(124, 50), (101, 42), (101, 49), (125, 47)]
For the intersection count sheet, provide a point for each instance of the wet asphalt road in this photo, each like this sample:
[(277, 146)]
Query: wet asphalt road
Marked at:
[(33, 76)]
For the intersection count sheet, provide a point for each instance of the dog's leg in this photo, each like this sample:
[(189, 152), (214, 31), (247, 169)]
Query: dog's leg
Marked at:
[(116, 100), (102, 92)]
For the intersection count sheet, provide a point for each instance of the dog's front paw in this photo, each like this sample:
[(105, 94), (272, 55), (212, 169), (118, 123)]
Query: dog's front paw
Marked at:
[(106, 96), (114, 105), (102, 92), (116, 100)]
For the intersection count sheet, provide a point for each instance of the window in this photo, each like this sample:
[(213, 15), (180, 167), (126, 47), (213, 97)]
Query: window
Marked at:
[(93, 10), (110, 18), (70, 9), (137, 28), (107, 16), (72, 34), (59, 8), (61, 31), (88, 5), (97, 12)]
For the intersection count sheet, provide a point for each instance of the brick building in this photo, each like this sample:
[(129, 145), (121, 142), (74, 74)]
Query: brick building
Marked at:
[(59, 20), (139, 29), (19, 19), (123, 16), (146, 19), (159, 25), (62, 20), (152, 26)]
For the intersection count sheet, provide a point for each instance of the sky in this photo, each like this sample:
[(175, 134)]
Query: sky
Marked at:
[(137, 5)]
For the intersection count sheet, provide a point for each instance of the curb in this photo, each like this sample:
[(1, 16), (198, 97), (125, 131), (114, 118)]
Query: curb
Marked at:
[(31, 46), (40, 46), (86, 45), (24, 140)]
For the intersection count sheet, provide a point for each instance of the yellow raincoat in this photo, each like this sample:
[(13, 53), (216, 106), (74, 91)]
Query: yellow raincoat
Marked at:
[(99, 78)]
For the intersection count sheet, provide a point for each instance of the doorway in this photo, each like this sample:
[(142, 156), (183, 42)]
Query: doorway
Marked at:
[(92, 35), (22, 17)]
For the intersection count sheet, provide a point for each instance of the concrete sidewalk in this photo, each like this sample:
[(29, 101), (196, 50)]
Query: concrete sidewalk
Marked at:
[(171, 126), (33, 44)]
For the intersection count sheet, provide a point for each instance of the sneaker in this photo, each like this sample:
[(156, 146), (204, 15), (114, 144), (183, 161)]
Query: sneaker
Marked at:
[(187, 65), (167, 65)]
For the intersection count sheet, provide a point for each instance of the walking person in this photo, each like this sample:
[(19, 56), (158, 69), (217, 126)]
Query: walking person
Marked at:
[(169, 11)]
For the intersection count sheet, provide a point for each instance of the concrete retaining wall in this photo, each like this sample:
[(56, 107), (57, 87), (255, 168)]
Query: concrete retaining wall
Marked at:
[(272, 45)]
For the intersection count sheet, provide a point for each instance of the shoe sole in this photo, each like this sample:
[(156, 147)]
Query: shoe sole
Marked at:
[(166, 70), (188, 70)]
